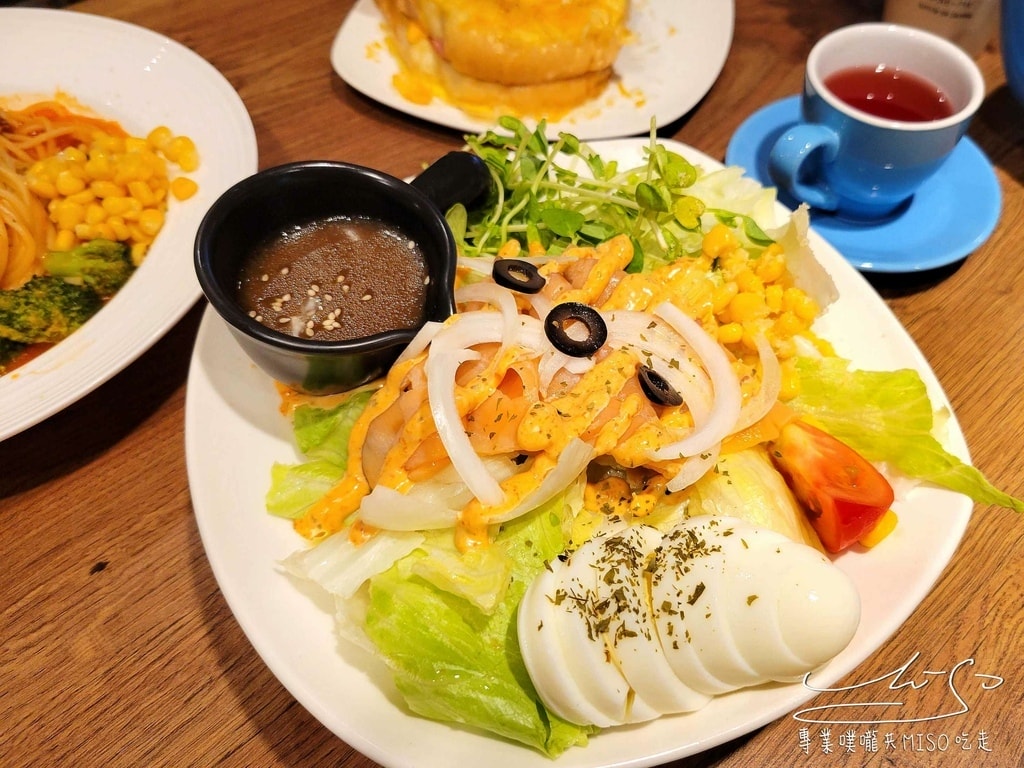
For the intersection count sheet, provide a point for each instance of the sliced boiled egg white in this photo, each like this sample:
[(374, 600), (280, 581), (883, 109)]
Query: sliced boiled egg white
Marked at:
[(778, 608), (621, 582), (578, 618), (541, 649), (635, 624), (688, 573)]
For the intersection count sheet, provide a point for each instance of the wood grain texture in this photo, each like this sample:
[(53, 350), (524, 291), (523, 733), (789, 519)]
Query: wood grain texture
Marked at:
[(117, 646)]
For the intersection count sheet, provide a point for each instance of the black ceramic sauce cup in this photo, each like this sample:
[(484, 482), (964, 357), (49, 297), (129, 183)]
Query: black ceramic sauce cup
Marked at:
[(281, 198)]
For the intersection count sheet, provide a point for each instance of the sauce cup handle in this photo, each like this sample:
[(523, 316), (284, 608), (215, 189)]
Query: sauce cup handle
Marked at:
[(458, 177)]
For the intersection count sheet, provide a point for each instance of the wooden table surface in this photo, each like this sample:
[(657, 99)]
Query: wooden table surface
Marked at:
[(118, 648)]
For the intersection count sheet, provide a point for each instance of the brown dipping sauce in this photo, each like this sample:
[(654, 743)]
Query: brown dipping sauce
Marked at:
[(336, 279)]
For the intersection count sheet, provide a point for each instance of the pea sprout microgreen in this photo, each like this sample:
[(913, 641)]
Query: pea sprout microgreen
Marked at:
[(562, 193)]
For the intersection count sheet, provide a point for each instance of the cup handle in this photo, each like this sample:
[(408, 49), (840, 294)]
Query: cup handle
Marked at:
[(791, 151)]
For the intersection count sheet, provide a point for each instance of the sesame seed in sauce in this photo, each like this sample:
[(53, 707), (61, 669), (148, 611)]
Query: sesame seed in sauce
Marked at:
[(390, 281)]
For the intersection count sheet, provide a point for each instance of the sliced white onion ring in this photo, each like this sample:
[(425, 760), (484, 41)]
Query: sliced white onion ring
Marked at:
[(572, 461), (392, 510), (420, 341), (441, 367), (728, 398)]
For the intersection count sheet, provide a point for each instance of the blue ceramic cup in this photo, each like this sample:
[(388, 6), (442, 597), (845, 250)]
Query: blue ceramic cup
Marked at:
[(840, 158), (1012, 44)]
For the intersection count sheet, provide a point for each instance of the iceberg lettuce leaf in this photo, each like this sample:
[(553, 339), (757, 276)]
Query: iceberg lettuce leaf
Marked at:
[(887, 416), (321, 435), (294, 487), (453, 661)]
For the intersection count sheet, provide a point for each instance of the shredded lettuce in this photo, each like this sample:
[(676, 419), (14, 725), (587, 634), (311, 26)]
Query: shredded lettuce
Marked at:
[(455, 662), (887, 417)]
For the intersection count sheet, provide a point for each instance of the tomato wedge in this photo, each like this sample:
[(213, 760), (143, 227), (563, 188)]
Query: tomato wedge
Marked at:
[(843, 493)]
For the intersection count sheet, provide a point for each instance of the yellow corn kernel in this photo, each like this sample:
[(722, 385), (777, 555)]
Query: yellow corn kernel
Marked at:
[(182, 188), (104, 230), (150, 221), (119, 228), (136, 144), (730, 333), (807, 309), (42, 187), (787, 325), (509, 249), (719, 240), (67, 214), (138, 236), (722, 295), (177, 147), (85, 232), (64, 240), (771, 266), (95, 213), (188, 160), (106, 143), (142, 192), (69, 183), (800, 304), (784, 348), (132, 167), (138, 252), (99, 167), (73, 155), (746, 307), (790, 386), (746, 280), (160, 137), (885, 525), (103, 188), (84, 197), (120, 206)]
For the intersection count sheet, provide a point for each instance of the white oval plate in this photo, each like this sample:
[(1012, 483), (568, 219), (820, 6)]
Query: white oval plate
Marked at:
[(680, 48), (140, 79), (234, 431)]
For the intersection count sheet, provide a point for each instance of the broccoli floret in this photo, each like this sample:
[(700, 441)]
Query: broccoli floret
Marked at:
[(103, 265), (8, 351), (45, 308)]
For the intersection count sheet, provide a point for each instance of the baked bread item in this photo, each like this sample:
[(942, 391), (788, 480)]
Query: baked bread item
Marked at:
[(537, 58)]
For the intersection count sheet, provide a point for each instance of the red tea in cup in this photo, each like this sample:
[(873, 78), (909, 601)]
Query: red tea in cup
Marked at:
[(890, 93)]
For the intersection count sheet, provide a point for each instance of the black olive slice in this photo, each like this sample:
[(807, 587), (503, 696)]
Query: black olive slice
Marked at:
[(568, 315), (658, 391), (518, 275)]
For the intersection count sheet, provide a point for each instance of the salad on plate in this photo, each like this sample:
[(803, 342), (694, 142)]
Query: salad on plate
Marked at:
[(615, 484)]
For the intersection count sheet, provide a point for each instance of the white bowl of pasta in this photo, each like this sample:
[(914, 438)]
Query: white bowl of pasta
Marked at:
[(108, 132)]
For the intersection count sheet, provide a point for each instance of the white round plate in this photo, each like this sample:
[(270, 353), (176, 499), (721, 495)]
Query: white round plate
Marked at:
[(679, 49), (140, 79), (234, 431)]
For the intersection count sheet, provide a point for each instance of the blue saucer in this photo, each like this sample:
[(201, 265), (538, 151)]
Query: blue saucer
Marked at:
[(952, 214)]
